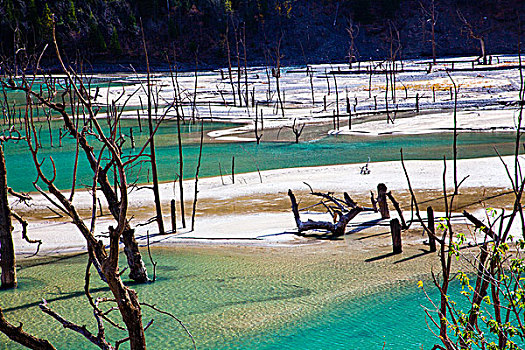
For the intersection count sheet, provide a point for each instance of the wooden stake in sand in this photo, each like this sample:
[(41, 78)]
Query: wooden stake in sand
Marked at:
[(395, 229)]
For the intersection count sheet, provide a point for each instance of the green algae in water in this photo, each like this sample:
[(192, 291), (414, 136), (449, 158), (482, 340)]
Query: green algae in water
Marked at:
[(232, 301)]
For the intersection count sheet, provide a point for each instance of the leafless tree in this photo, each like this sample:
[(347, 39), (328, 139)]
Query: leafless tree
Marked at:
[(153, 159), (430, 16), (352, 31), (104, 260), (477, 32)]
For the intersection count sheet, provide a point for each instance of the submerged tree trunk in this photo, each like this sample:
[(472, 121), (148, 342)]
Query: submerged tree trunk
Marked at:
[(7, 251)]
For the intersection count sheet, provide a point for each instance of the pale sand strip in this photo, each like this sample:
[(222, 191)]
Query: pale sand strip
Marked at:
[(265, 227)]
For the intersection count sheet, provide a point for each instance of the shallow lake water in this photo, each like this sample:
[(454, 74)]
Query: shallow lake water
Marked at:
[(326, 150), (233, 301), (237, 300)]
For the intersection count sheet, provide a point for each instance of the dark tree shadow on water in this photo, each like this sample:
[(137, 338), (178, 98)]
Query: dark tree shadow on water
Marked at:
[(423, 253), (64, 296), (408, 258)]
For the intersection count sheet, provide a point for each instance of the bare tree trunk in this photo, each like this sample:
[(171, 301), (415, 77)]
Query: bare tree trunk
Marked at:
[(311, 76), (395, 230), (245, 63), (277, 76), (336, 100), (238, 63), (230, 64), (483, 52), (433, 24), (127, 302), (197, 180), (194, 104), (181, 168), (158, 208), (431, 228), (7, 251)]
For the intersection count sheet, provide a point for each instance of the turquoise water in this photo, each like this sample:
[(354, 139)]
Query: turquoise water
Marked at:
[(267, 155), (232, 300), (223, 298), (393, 318)]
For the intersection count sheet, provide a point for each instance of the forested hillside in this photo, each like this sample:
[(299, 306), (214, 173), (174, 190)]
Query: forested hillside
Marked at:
[(302, 31)]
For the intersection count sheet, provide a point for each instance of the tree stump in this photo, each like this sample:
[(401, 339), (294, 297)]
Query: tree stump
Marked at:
[(381, 201), (431, 237), (395, 229), (173, 217)]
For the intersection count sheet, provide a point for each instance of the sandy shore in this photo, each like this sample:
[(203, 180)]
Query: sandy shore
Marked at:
[(255, 210)]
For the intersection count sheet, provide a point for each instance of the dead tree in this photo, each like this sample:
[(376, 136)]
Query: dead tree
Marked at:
[(153, 159), (227, 39), (7, 252), (431, 17), (276, 73), (343, 215), (395, 230), (258, 136), (74, 86), (431, 229), (105, 262), (310, 73), (297, 130), (181, 169), (477, 33), (352, 31), (245, 64), (180, 116), (197, 179), (236, 32)]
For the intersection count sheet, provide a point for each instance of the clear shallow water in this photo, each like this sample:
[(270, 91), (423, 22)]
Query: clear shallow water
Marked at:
[(393, 318), (224, 299), (235, 301), (267, 155)]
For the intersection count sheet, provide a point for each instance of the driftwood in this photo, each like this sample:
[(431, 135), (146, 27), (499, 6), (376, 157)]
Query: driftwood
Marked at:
[(338, 228)]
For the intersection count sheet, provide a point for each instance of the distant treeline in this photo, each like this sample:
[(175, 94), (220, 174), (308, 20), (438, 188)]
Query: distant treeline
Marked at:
[(304, 31)]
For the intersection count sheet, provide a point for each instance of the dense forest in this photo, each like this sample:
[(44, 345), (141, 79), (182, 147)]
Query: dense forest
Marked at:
[(105, 32)]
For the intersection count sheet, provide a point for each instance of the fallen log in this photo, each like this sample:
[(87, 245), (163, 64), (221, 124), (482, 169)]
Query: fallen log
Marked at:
[(337, 229)]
